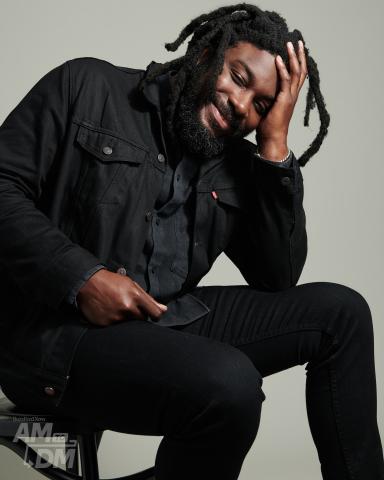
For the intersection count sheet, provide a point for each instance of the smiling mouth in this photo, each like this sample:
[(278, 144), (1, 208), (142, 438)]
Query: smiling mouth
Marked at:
[(220, 120)]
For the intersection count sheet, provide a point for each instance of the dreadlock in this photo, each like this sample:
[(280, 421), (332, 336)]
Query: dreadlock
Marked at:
[(225, 27)]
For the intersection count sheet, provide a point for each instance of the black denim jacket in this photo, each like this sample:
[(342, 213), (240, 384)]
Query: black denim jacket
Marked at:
[(81, 165)]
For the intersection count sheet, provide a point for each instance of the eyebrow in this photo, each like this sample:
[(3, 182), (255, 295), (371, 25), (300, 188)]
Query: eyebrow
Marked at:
[(250, 74)]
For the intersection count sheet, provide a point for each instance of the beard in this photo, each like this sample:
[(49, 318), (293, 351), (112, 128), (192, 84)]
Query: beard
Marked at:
[(193, 135)]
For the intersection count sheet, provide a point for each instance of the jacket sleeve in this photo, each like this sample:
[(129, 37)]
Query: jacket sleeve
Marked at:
[(37, 256), (269, 241), (71, 297)]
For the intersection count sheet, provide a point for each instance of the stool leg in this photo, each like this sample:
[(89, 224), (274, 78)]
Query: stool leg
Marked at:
[(98, 436), (88, 457)]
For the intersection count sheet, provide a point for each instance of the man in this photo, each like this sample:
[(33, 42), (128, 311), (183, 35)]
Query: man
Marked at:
[(119, 189)]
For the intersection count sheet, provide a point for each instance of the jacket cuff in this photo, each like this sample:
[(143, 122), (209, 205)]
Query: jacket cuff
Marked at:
[(71, 297), (282, 181), (63, 273), (285, 164)]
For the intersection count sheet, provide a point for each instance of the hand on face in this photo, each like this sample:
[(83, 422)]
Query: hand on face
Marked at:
[(252, 81), (273, 128)]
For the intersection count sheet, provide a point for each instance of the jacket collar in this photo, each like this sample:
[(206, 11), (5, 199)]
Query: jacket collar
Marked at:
[(156, 91)]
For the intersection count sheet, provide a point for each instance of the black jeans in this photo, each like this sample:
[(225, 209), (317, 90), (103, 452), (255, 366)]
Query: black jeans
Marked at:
[(199, 385)]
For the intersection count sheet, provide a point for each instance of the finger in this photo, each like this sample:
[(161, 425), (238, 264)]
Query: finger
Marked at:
[(150, 308), (135, 313), (149, 297), (285, 78), (294, 67), (303, 64), (149, 305)]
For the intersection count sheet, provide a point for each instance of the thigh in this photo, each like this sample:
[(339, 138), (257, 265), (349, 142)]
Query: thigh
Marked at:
[(277, 330), (137, 377)]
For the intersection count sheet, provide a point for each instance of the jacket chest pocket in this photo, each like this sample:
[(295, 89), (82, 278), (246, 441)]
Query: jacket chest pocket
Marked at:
[(229, 198), (112, 185), (219, 206), (110, 164)]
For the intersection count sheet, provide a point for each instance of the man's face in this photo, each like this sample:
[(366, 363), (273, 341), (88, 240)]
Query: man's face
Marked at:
[(211, 115)]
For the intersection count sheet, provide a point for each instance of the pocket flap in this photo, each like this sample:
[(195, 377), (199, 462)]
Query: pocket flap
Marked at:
[(229, 196), (108, 147)]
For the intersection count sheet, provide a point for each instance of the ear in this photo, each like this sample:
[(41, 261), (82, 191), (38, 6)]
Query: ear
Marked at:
[(204, 55)]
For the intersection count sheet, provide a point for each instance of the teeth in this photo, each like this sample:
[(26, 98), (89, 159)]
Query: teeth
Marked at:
[(221, 117)]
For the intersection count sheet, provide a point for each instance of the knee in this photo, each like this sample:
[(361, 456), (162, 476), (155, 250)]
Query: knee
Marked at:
[(234, 393), (233, 377), (348, 306)]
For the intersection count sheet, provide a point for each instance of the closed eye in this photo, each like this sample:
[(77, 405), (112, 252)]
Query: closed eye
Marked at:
[(238, 79), (263, 110)]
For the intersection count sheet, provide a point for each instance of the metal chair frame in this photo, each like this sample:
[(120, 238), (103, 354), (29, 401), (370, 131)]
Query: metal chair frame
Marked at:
[(82, 437)]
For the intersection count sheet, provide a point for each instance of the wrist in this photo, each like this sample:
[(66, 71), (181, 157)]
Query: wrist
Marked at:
[(274, 152), (286, 161)]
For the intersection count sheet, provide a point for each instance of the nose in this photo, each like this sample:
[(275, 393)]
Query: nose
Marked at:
[(240, 102)]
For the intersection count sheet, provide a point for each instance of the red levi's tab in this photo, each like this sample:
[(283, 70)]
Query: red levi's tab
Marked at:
[(214, 195)]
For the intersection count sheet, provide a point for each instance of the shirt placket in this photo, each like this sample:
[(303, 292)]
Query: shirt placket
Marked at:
[(167, 245)]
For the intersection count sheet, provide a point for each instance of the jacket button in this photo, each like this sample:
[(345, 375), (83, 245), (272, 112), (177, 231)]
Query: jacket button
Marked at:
[(285, 180), (121, 271), (148, 215), (160, 158), (50, 391), (107, 150)]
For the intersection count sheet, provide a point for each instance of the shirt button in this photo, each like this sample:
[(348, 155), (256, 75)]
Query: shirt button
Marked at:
[(196, 243), (160, 158), (177, 178), (121, 271), (148, 215), (285, 180), (107, 150), (50, 391)]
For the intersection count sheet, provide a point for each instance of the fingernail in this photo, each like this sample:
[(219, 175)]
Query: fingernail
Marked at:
[(164, 307), (301, 44), (290, 45)]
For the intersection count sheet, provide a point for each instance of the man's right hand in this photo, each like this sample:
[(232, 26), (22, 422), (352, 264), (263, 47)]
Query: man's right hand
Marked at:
[(108, 297)]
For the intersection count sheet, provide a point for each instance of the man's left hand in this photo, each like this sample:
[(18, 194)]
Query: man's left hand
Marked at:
[(272, 131)]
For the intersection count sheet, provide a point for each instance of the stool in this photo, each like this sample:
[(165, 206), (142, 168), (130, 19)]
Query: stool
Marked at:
[(81, 440)]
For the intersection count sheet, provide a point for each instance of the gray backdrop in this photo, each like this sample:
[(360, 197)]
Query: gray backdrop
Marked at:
[(343, 182)]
